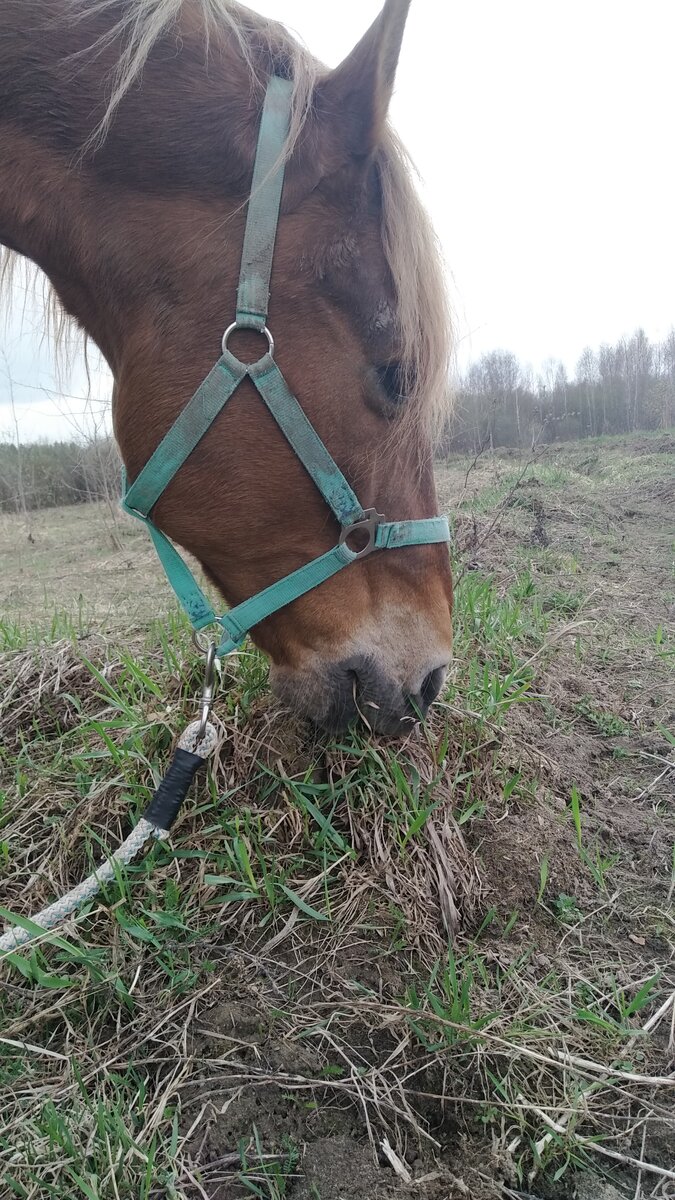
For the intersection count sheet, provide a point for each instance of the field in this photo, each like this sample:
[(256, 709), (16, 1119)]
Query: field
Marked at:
[(370, 970)]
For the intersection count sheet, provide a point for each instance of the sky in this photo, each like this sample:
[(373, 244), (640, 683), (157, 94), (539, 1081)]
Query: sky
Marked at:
[(542, 132)]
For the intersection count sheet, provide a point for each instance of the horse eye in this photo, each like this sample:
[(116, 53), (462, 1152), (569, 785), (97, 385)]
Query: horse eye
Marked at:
[(391, 380)]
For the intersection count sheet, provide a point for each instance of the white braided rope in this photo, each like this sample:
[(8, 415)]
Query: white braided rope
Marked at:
[(57, 912), (190, 740)]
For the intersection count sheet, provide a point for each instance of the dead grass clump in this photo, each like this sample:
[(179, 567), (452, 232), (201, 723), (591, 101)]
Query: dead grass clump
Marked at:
[(43, 688)]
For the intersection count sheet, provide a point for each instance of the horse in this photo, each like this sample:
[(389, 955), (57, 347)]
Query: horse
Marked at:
[(128, 132)]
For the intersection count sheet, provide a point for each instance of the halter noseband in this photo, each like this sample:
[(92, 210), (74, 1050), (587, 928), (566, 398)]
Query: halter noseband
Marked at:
[(210, 398)]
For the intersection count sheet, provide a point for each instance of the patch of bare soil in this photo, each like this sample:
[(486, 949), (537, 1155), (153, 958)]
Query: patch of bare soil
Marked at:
[(289, 1097)]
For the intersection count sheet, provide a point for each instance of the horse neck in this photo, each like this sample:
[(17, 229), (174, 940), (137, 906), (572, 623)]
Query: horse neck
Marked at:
[(168, 169)]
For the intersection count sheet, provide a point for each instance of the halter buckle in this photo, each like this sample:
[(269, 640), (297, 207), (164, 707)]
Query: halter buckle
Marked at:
[(367, 524)]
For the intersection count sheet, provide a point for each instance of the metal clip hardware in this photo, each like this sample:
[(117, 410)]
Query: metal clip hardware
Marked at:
[(366, 525), (208, 688)]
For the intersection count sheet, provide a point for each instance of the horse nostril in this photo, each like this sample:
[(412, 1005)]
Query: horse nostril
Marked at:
[(431, 686), (359, 687)]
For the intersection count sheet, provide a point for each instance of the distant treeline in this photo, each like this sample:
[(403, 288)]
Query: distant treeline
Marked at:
[(44, 474), (615, 389)]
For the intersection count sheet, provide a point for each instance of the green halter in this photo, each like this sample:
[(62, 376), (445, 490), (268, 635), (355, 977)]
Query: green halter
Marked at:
[(212, 395)]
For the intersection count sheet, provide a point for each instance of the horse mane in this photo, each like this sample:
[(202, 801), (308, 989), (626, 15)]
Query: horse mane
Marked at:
[(409, 241)]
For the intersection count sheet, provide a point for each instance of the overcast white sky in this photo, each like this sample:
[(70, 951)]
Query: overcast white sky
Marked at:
[(543, 134)]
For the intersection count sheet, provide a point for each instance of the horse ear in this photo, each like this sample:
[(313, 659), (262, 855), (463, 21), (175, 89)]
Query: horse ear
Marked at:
[(351, 103)]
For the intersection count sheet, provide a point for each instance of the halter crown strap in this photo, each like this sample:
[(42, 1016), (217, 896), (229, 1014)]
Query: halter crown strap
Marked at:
[(220, 384), (253, 292)]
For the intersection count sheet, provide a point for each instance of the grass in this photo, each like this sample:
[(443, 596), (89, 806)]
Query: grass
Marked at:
[(606, 723), (537, 474), (340, 933), (266, 1175)]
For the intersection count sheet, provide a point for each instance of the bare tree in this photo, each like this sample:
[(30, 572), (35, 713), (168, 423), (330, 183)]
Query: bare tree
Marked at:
[(588, 375), (637, 356), (616, 389)]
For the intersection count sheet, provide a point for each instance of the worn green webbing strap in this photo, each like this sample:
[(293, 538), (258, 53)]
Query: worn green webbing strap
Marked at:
[(253, 292), (241, 619), (179, 575), (251, 612), (182, 580), (187, 430), (392, 534), (304, 439), (389, 536)]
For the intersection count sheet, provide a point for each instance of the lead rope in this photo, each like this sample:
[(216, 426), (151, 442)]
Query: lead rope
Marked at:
[(195, 745)]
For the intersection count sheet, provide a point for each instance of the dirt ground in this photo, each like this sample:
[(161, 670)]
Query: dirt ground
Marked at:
[(304, 1063)]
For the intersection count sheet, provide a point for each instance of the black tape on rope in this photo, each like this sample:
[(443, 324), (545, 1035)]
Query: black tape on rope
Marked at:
[(167, 800)]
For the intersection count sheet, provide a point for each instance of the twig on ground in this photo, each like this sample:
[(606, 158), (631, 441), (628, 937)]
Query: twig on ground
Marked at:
[(627, 1159), (670, 766), (638, 1185)]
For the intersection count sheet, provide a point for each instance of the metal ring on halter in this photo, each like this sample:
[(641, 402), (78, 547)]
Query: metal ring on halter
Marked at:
[(238, 325), (366, 524), (201, 641)]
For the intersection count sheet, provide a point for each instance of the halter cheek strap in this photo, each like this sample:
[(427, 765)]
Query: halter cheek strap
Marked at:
[(220, 384)]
